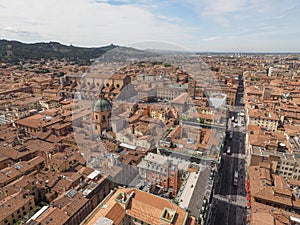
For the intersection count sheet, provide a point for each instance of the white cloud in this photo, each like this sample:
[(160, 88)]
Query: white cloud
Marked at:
[(224, 11), (85, 22), (217, 10), (170, 19), (220, 7), (195, 24)]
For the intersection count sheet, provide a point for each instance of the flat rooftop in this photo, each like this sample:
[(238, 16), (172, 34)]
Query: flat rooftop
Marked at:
[(197, 187)]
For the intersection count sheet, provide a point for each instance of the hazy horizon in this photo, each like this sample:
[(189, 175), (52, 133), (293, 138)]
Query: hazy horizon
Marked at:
[(160, 49)]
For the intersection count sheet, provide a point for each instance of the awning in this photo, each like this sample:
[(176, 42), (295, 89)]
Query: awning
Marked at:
[(247, 189), (131, 147)]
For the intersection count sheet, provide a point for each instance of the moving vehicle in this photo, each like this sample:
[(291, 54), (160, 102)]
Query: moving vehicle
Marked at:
[(228, 150), (235, 178)]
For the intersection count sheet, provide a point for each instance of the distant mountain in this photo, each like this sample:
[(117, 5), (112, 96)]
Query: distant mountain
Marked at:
[(15, 51)]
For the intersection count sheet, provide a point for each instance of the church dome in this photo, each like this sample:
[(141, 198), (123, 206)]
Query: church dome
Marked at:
[(101, 105)]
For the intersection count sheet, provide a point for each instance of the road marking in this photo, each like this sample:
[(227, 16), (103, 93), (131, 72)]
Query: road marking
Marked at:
[(240, 202)]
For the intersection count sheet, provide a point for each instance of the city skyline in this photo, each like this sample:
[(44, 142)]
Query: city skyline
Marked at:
[(218, 26), (149, 112)]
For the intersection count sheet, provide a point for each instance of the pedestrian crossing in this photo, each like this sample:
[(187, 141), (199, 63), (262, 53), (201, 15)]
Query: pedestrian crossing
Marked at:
[(240, 200)]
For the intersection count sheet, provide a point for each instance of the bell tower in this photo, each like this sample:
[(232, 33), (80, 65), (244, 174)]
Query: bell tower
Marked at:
[(101, 114)]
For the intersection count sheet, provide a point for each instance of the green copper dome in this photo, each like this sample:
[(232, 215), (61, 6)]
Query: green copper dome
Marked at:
[(101, 105)]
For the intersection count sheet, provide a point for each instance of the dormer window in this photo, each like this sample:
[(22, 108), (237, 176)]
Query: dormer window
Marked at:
[(168, 215)]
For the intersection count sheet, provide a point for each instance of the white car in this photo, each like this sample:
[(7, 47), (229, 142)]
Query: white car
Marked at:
[(228, 150)]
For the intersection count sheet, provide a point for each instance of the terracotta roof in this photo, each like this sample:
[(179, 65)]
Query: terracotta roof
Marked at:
[(53, 216), (264, 214), (261, 114), (71, 205), (14, 202), (140, 201)]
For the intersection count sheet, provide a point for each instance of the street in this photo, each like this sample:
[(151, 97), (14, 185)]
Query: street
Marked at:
[(229, 200)]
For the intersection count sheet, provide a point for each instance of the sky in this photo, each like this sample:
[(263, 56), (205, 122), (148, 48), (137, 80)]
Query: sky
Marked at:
[(195, 25)]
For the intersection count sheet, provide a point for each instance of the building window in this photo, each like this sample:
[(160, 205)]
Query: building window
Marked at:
[(96, 116), (103, 118)]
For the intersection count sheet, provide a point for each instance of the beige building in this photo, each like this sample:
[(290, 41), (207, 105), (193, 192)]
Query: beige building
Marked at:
[(265, 119), (289, 167), (126, 136), (286, 165), (169, 92)]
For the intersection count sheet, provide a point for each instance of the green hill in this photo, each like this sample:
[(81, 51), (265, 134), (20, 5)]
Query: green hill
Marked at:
[(15, 51)]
